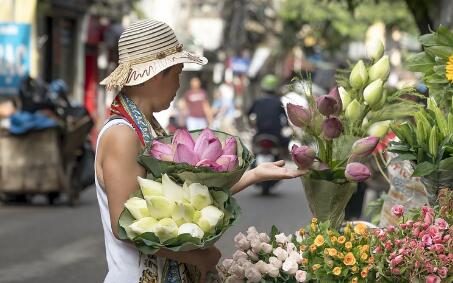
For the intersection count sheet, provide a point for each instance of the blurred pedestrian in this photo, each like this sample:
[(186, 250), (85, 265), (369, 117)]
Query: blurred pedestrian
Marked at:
[(197, 107), (224, 108)]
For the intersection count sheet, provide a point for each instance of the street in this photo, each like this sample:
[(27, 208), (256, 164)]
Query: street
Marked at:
[(54, 244)]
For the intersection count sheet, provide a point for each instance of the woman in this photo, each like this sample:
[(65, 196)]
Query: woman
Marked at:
[(150, 62)]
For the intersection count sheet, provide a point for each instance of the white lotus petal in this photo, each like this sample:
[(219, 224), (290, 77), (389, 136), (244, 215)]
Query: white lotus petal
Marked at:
[(160, 207), (137, 207), (199, 196), (208, 218), (190, 228), (182, 213), (166, 229), (149, 187), (146, 224), (172, 190)]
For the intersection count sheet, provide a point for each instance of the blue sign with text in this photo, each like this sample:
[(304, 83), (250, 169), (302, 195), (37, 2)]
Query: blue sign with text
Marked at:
[(14, 56)]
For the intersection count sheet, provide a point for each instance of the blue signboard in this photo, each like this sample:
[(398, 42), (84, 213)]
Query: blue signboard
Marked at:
[(14, 56), (240, 65)]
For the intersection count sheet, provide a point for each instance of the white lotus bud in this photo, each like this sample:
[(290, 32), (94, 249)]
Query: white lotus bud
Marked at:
[(146, 224), (190, 228), (160, 207), (375, 49), (172, 190), (166, 229), (379, 129), (345, 97), (208, 218), (137, 207), (182, 213), (199, 196), (380, 69), (359, 75), (149, 187), (373, 92)]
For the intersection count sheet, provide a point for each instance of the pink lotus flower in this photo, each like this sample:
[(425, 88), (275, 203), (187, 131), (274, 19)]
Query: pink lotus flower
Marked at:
[(202, 140), (303, 156), (208, 148), (209, 164), (184, 154), (441, 224), (230, 147), (398, 210), (432, 279), (228, 162), (182, 136), (298, 115), (161, 151), (357, 172)]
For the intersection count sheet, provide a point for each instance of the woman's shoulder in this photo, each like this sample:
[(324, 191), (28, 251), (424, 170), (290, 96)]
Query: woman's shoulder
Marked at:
[(120, 138)]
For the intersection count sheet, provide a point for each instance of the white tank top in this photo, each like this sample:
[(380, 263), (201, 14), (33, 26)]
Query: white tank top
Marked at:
[(123, 259)]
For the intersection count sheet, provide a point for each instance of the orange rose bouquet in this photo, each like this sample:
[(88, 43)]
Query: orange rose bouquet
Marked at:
[(330, 256)]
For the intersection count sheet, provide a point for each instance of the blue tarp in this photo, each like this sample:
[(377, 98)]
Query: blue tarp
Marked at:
[(23, 122)]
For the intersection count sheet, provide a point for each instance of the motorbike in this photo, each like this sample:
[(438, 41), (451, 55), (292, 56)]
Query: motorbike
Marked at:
[(266, 149)]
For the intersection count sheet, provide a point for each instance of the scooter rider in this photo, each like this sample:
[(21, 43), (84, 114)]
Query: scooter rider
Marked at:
[(268, 113)]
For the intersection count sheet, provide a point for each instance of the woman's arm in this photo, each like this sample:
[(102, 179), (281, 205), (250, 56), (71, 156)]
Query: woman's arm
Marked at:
[(266, 172)]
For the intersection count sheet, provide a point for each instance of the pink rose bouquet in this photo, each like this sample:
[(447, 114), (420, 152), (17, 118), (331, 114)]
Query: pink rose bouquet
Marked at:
[(420, 249)]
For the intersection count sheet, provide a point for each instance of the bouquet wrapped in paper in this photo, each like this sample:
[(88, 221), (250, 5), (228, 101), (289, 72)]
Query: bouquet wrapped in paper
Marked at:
[(164, 214), (211, 158)]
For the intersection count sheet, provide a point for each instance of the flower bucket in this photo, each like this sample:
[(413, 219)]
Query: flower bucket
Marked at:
[(328, 200)]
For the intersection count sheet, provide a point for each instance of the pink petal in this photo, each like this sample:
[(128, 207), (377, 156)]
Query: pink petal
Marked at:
[(182, 136), (228, 162), (161, 151), (184, 154), (230, 147), (209, 164), (205, 136), (212, 151)]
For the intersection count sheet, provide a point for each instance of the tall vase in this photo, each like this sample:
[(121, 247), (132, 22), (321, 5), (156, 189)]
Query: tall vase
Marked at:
[(328, 200), (436, 181)]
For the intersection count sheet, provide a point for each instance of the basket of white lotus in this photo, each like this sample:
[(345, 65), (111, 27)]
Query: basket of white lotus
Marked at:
[(163, 214)]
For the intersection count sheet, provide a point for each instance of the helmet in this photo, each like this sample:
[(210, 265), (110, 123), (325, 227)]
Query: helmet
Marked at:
[(269, 83)]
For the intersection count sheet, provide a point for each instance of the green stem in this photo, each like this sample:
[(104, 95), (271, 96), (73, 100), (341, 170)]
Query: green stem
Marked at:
[(380, 169), (329, 148)]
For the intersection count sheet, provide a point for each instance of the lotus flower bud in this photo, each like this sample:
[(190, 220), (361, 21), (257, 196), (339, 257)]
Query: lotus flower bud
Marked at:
[(199, 196), (375, 49), (208, 146), (190, 228), (182, 136), (334, 92), (380, 69), (353, 111), (319, 166), (357, 172), (209, 164), (184, 154), (365, 146), (359, 75), (373, 92), (227, 162), (182, 213), (327, 105), (298, 115), (149, 187), (161, 151), (379, 129), (173, 191), (160, 207), (146, 224), (303, 156), (166, 229), (345, 97), (230, 147), (208, 218), (137, 207), (381, 102), (365, 123), (332, 128)]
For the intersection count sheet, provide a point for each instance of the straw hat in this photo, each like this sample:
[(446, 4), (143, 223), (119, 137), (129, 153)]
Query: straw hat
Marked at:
[(145, 49)]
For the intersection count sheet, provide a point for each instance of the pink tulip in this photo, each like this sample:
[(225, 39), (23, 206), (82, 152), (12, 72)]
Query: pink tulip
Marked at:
[(364, 147), (209, 164), (182, 136), (184, 154), (298, 115), (303, 156), (442, 224), (426, 239), (357, 172), (161, 151), (398, 210), (228, 162), (230, 147)]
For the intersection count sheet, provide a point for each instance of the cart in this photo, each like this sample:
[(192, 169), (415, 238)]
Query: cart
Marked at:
[(42, 162)]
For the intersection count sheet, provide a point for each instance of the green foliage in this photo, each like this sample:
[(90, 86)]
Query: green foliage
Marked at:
[(331, 22)]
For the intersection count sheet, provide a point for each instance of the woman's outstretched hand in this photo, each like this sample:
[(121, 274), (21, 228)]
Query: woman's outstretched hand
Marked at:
[(275, 171), (265, 172)]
